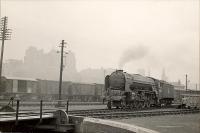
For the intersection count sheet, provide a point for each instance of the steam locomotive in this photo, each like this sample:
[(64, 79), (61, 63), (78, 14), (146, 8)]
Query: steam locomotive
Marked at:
[(125, 90)]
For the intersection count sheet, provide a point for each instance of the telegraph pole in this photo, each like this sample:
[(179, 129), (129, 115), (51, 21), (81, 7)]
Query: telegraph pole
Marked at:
[(4, 35), (186, 82), (61, 70)]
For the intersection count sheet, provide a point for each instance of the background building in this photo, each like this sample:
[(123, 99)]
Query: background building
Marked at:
[(38, 64)]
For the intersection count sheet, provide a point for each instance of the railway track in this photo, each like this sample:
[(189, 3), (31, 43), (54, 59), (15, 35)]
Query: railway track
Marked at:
[(115, 113), (76, 112), (111, 114)]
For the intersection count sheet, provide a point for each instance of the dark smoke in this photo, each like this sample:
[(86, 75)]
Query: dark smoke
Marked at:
[(133, 53)]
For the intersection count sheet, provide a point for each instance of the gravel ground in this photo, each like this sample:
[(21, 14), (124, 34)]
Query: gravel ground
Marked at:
[(189, 123)]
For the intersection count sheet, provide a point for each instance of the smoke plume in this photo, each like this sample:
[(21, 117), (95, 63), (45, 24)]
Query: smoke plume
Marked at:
[(132, 54)]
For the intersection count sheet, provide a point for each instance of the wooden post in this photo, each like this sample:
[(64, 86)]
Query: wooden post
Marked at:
[(12, 100), (67, 108), (40, 111), (17, 113), (61, 71)]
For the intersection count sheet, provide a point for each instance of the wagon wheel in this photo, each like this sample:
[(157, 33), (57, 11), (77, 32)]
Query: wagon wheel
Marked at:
[(109, 105), (132, 106), (143, 104), (148, 104), (117, 107), (123, 105), (137, 105)]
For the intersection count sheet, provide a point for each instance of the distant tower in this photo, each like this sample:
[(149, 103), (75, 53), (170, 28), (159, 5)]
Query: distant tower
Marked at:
[(163, 76)]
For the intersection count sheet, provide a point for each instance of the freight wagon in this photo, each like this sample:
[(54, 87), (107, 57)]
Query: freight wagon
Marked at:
[(18, 87), (190, 101), (27, 89)]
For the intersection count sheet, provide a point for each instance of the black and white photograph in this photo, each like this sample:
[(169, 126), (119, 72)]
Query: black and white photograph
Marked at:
[(99, 66)]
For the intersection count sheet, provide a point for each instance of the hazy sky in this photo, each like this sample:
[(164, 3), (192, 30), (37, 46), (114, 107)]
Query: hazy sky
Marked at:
[(101, 32)]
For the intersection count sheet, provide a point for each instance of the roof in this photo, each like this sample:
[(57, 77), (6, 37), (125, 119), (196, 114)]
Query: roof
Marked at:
[(191, 95), (21, 78), (177, 84)]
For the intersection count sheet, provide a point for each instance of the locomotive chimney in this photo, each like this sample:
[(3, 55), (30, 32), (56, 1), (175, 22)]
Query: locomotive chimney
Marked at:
[(120, 70)]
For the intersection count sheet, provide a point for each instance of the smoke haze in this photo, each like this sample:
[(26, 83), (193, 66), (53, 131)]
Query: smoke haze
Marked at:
[(135, 52), (102, 33)]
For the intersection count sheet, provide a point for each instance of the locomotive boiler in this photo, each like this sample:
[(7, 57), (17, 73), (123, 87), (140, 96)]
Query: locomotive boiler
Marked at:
[(136, 91)]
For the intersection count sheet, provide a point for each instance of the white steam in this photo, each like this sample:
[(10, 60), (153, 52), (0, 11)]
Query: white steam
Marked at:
[(132, 54)]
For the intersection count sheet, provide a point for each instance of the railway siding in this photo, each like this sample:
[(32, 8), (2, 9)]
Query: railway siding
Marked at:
[(103, 114), (84, 124)]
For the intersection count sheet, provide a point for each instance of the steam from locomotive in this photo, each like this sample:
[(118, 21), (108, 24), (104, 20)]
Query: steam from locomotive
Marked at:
[(133, 53), (135, 91)]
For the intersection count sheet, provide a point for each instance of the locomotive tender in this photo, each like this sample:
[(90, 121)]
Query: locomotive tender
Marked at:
[(136, 91)]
